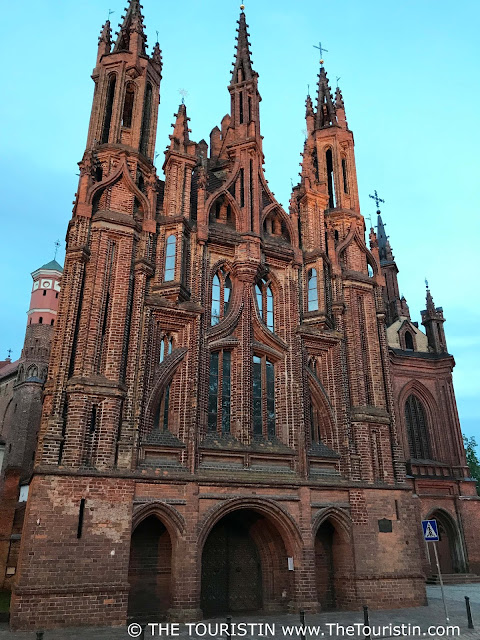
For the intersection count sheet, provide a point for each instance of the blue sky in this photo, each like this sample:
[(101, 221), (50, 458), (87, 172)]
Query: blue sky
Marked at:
[(409, 76)]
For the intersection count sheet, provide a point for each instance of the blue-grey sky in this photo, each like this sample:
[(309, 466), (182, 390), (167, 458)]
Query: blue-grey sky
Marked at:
[(409, 76)]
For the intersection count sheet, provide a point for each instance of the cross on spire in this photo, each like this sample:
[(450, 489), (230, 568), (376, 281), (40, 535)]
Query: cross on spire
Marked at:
[(321, 49), (377, 199), (184, 94), (56, 244)]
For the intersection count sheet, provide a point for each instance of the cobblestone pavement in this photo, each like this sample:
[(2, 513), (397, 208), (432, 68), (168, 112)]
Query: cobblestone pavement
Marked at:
[(424, 617)]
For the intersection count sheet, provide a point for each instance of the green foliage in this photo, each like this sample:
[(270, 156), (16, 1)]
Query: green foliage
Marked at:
[(472, 459)]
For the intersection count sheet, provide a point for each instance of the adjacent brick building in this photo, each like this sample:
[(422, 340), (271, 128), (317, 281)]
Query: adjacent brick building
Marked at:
[(225, 426)]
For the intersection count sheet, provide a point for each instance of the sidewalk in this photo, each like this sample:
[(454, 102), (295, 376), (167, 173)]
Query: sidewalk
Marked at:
[(421, 616)]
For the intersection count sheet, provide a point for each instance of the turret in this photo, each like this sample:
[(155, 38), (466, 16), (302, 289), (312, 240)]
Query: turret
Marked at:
[(45, 292), (432, 320)]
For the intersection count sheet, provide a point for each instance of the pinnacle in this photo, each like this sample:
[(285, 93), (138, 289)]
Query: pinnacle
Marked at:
[(243, 64), (326, 114)]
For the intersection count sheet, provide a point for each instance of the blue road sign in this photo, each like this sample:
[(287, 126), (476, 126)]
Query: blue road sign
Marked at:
[(430, 530)]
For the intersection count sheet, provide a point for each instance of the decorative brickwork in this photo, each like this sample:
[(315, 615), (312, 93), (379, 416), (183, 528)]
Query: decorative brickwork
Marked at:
[(283, 455)]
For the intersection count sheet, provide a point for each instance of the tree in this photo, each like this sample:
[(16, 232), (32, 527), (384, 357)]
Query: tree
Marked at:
[(472, 459)]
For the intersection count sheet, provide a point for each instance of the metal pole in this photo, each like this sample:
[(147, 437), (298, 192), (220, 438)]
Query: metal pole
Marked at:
[(469, 613), (302, 622), (366, 620), (441, 582), (229, 627)]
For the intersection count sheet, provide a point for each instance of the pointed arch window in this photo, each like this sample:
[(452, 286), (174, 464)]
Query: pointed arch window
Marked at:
[(109, 108), (263, 379), (166, 347), (330, 179), (417, 429), (219, 392), (221, 294), (312, 290), (170, 250), (265, 303), (409, 341), (128, 105), (314, 424), (161, 420), (345, 177), (147, 115)]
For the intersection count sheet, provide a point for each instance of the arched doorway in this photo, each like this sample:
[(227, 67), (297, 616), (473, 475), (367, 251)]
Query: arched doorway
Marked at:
[(149, 572), (334, 566), (244, 566), (450, 555)]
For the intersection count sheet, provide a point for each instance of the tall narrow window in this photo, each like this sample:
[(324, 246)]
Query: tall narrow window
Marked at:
[(265, 303), (330, 180), (263, 392), (221, 293), (408, 341), (128, 105), (312, 290), (108, 108), (160, 421), (219, 393), (417, 429), (344, 172), (162, 350), (147, 114), (314, 424), (240, 97), (170, 258)]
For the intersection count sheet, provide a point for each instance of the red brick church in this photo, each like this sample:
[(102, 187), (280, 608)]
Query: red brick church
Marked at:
[(240, 414)]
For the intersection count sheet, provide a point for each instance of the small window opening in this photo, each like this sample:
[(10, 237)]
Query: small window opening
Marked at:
[(44, 292), (330, 178), (108, 109), (344, 171), (408, 341), (128, 106), (147, 113), (40, 320), (81, 513), (51, 322), (241, 107), (56, 295)]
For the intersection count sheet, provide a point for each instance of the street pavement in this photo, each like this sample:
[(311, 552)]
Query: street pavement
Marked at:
[(326, 623)]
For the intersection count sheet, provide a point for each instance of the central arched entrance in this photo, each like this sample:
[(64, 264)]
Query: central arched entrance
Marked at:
[(150, 571), (244, 566)]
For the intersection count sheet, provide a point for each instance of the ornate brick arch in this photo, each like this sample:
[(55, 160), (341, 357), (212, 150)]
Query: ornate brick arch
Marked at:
[(416, 388), (168, 516), (165, 373), (449, 524), (283, 521), (340, 520)]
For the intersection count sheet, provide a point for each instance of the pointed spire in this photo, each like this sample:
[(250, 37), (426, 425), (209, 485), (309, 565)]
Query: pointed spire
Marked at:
[(326, 115), (429, 298), (242, 67), (157, 55), (105, 40), (132, 24), (309, 115), (339, 104), (180, 138), (384, 248)]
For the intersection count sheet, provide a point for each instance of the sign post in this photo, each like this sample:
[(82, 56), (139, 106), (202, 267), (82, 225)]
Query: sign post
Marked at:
[(430, 534)]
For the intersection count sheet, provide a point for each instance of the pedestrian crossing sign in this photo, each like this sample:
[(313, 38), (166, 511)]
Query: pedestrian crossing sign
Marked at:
[(430, 530)]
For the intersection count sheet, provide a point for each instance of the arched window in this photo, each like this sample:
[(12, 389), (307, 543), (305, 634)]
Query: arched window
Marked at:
[(170, 247), (108, 108), (219, 392), (264, 295), (161, 417), (417, 429), (166, 347), (330, 179), (314, 424), (344, 172), (263, 379), (409, 341), (312, 290), (147, 114), (128, 105), (221, 293)]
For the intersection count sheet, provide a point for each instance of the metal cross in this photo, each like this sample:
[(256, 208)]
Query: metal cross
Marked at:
[(9, 351), (110, 13), (370, 220), (377, 199), (157, 35), (426, 283), (320, 48), (184, 94), (338, 78), (57, 247)]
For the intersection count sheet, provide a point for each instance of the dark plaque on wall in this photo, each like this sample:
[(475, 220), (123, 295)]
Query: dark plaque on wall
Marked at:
[(385, 525)]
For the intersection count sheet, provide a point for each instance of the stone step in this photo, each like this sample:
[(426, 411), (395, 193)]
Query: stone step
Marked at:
[(454, 578)]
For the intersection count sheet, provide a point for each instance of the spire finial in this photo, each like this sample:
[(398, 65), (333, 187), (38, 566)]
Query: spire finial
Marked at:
[(242, 7), (184, 94), (57, 247), (321, 49), (377, 199), (9, 351)]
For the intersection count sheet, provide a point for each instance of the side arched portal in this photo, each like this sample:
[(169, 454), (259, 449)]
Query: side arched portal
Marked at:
[(150, 571), (449, 547)]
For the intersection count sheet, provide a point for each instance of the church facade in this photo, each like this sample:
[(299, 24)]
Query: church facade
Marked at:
[(239, 414)]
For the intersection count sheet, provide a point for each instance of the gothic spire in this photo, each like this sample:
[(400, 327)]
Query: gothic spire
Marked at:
[(242, 67), (131, 36), (430, 303), (326, 115), (157, 55), (339, 104), (105, 40), (384, 248), (180, 139)]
